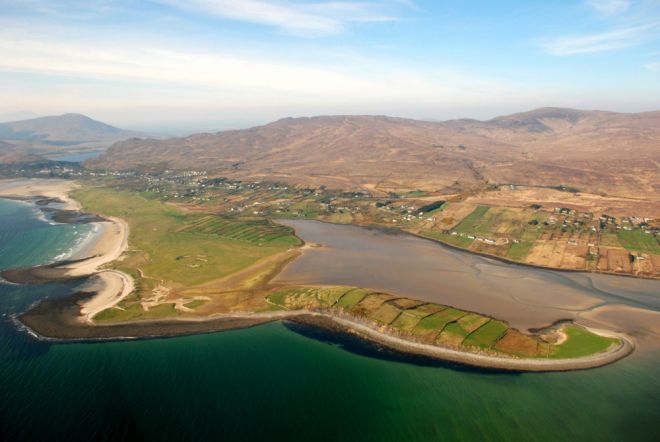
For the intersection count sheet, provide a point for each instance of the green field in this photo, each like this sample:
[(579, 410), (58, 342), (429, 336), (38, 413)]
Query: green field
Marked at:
[(455, 333), (385, 314), (472, 222), (135, 311), (639, 241), (486, 335), (435, 324), (452, 334), (471, 322), (581, 342), (437, 321), (351, 298), (405, 321), (520, 250), (370, 304), (259, 231), (169, 245)]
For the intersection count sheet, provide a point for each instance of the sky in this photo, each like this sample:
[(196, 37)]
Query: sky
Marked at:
[(177, 65)]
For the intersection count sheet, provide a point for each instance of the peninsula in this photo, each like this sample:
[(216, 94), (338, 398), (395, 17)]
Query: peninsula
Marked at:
[(158, 269)]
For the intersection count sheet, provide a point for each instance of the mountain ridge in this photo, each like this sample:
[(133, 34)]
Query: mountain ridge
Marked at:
[(595, 150)]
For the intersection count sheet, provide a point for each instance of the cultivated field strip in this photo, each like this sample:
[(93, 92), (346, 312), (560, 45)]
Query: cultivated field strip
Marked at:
[(252, 230), (435, 324)]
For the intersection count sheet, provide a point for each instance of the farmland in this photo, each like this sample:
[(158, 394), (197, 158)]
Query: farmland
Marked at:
[(520, 224), (439, 325)]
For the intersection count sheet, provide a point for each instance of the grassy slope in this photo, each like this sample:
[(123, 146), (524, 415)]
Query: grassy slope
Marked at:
[(185, 258), (162, 253)]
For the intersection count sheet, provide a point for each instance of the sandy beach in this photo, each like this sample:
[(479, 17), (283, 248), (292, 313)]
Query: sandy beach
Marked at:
[(114, 286), (111, 286), (49, 188), (107, 246)]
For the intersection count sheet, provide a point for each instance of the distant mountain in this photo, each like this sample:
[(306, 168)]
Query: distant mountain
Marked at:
[(590, 150), (74, 128), (535, 121), (41, 137)]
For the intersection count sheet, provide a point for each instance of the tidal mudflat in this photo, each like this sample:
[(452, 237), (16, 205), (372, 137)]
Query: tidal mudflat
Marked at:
[(526, 297)]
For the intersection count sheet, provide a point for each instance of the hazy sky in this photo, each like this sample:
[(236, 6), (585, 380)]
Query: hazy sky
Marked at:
[(177, 63)]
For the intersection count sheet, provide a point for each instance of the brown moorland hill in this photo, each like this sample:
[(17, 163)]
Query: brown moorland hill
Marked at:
[(595, 151), (10, 153)]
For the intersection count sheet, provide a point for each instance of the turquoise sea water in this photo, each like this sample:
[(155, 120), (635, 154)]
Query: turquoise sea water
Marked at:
[(277, 383)]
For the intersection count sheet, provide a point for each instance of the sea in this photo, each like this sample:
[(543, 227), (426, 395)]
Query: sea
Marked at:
[(281, 382)]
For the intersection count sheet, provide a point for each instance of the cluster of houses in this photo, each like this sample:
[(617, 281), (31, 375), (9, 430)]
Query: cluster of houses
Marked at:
[(498, 241)]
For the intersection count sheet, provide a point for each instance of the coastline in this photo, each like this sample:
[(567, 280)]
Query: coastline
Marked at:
[(104, 247), (507, 363), (55, 320), (71, 318)]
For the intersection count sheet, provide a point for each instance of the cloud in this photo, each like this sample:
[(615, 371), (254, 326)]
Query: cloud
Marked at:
[(609, 7), (606, 41), (228, 75), (119, 72), (309, 19), (626, 24), (655, 66)]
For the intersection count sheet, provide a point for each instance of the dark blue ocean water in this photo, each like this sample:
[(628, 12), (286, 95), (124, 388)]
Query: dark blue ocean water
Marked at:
[(276, 383)]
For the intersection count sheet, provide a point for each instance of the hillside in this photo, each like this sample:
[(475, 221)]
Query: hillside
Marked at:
[(74, 128), (591, 150), (36, 138), (10, 153)]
